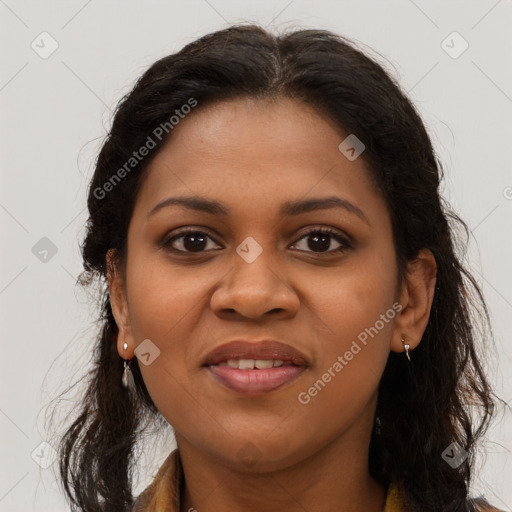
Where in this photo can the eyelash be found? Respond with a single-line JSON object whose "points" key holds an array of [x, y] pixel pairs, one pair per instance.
{"points": [[345, 244]]}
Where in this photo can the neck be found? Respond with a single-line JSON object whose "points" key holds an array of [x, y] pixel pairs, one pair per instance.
{"points": [[333, 478]]}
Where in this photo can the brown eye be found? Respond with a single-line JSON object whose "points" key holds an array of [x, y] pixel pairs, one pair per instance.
{"points": [[320, 241], [189, 241]]}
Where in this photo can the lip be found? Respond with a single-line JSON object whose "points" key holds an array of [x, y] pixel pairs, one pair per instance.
{"points": [[256, 381], [265, 349]]}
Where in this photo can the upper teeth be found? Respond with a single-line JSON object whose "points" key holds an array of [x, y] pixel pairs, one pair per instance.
{"points": [[249, 364]]}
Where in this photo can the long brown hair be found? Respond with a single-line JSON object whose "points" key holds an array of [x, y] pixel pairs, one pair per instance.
{"points": [[423, 407]]}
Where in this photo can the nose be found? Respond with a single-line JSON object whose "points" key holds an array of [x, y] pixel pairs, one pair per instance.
{"points": [[252, 290]]}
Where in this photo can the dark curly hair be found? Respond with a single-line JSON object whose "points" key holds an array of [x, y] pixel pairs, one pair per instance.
{"points": [[443, 396]]}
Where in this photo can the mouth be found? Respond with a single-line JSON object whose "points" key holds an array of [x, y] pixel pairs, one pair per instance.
{"points": [[253, 368]]}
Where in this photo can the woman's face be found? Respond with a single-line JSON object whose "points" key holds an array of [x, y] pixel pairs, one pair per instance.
{"points": [[255, 273]]}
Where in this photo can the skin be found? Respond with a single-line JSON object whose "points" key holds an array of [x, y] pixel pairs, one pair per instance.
{"points": [[251, 156]]}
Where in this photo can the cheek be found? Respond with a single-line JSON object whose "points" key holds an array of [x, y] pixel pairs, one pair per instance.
{"points": [[355, 320], [163, 297], [166, 306], [346, 379], [354, 297]]}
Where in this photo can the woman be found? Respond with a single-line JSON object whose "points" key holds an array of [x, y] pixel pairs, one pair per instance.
{"points": [[283, 288]]}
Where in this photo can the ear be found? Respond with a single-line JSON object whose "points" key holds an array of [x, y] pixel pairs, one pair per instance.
{"points": [[119, 304], [416, 296]]}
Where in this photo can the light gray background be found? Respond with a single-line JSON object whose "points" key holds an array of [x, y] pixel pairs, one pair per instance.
{"points": [[54, 115]]}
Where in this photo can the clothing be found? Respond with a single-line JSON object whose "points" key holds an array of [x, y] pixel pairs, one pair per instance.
{"points": [[163, 494]]}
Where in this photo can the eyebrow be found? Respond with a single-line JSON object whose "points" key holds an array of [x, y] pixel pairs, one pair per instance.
{"points": [[289, 208]]}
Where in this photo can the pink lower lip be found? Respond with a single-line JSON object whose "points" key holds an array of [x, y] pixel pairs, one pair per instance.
{"points": [[255, 381]]}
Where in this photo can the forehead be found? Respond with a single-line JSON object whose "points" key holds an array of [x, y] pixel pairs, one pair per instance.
{"points": [[256, 152]]}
